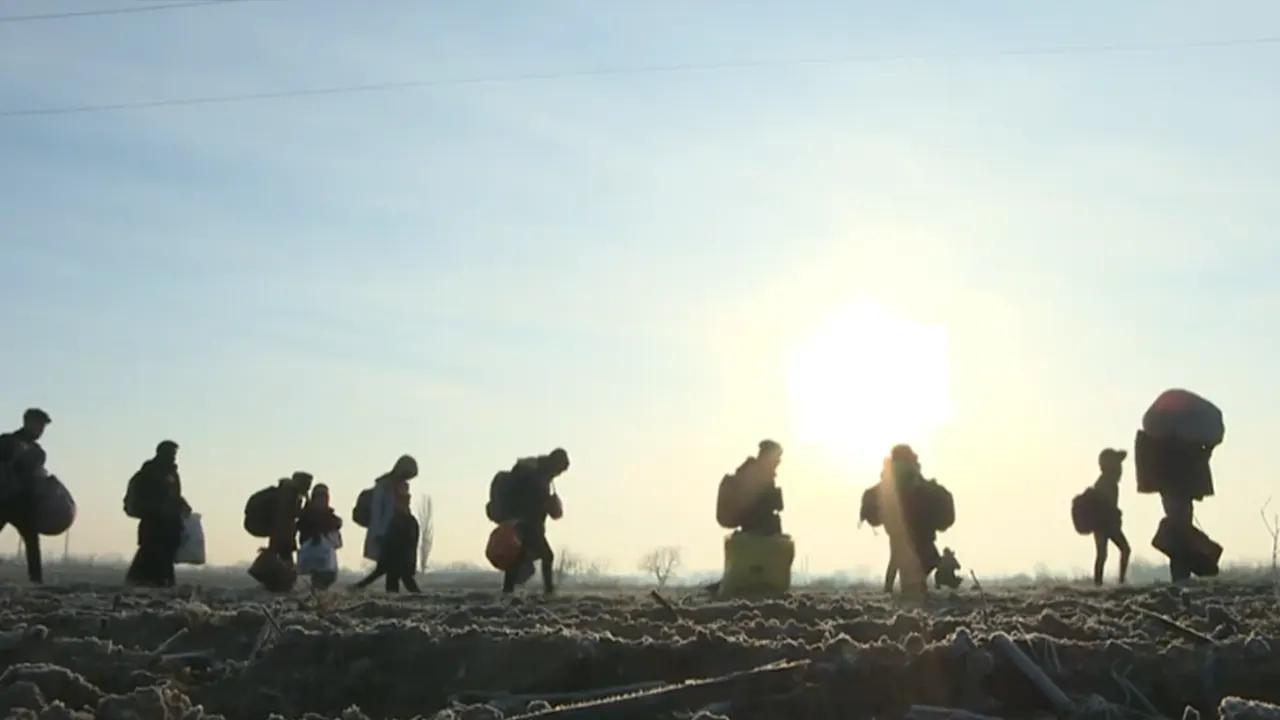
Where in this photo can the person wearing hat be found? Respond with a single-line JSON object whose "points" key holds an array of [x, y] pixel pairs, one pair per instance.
{"points": [[289, 500], [22, 461], [154, 497], [1107, 491]]}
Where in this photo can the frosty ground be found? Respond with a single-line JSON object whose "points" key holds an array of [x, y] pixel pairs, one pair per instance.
{"points": [[82, 650]]}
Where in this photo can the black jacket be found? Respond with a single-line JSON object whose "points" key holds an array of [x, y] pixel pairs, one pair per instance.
{"points": [[529, 494], [156, 490], [400, 548], [316, 522], [26, 451]]}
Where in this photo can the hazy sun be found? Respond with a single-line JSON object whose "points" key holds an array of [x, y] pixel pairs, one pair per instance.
{"points": [[866, 379]]}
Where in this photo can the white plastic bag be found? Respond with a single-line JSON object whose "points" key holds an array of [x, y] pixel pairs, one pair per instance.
{"points": [[191, 551], [317, 556]]}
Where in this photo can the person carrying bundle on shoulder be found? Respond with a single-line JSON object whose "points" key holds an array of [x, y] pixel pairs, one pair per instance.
{"points": [[22, 462], [1172, 454], [520, 501]]}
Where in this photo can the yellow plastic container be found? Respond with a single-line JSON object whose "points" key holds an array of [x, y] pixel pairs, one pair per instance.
{"points": [[757, 566]]}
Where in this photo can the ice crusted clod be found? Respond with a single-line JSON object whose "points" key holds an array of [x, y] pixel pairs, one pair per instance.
{"points": [[1234, 708]]}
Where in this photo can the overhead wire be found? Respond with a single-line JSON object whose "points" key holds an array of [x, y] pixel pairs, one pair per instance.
{"points": [[1095, 49], [140, 8]]}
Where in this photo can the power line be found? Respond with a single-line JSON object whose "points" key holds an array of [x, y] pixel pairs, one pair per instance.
{"points": [[117, 10], [633, 70]]}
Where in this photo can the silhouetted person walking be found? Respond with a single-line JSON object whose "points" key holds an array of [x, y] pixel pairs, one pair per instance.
{"points": [[284, 529], [398, 556], [1107, 494], [154, 497], [750, 499], [22, 466], [903, 508], [1173, 451], [526, 495], [382, 504]]}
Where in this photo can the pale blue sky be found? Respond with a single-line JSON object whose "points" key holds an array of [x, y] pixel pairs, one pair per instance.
{"points": [[620, 263]]}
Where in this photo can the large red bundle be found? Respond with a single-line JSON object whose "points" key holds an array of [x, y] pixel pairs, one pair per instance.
{"points": [[504, 549]]}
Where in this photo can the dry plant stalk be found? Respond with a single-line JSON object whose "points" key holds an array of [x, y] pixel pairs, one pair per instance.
{"points": [[1273, 529]]}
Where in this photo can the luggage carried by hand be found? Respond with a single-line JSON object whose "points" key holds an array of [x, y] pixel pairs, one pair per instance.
{"points": [[275, 574], [191, 550], [319, 555], [504, 549], [1189, 545]]}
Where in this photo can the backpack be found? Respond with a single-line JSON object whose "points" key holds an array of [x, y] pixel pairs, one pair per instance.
{"points": [[498, 509], [870, 512], [728, 503], [131, 499], [937, 509], [259, 512], [362, 513], [1084, 512]]}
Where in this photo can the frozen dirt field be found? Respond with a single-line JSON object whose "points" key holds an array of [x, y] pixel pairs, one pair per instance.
{"points": [[89, 651]]}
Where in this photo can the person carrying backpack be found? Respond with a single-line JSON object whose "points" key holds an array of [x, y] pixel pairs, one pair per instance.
{"points": [[398, 554], [382, 504], [1106, 499], [525, 496], [750, 499], [154, 498], [912, 513], [22, 462], [289, 497]]}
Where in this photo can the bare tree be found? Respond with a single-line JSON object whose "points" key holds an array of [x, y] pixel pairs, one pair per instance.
{"points": [[427, 534], [662, 563], [1272, 525], [568, 565]]}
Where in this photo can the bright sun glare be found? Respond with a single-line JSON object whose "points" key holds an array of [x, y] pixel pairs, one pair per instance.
{"points": [[866, 379]]}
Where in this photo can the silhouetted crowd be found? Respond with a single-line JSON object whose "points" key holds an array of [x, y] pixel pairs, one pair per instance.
{"points": [[302, 532]]}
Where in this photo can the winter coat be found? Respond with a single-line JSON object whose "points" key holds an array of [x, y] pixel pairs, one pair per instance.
{"points": [[381, 511], [400, 545]]}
